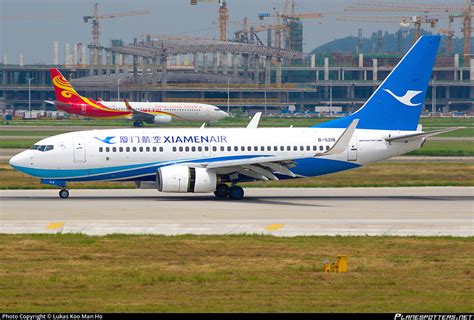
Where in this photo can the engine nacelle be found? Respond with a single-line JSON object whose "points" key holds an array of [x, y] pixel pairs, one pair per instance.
{"points": [[185, 179], [162, 118]]}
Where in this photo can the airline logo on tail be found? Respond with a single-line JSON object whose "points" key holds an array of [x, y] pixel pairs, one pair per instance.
{"points": [[67, 90], [406, 98]]}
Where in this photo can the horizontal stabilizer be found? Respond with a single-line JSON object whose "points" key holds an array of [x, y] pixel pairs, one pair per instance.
{"points": [[59, 103], [414, 136]]}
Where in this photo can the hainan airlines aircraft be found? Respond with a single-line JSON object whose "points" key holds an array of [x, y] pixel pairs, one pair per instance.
{"points": [[216, 160], [68, 100]]}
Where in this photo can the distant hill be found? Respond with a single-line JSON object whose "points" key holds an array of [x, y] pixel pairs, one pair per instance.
{"points": [[389, 44]]}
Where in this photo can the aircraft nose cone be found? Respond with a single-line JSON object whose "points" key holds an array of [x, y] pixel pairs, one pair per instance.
{"points": [[18, 160], [223, 114]]}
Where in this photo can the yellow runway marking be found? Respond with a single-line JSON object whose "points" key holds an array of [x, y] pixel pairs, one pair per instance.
{"points": [[274, 227], [55, 225]]}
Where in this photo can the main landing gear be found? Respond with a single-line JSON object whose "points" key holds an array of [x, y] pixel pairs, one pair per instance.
{"points": [[64, 193], [233, 192], [138, 124]]}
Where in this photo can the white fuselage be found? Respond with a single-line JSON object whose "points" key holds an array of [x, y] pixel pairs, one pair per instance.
{"points": [[136, 154], [177, 110]]}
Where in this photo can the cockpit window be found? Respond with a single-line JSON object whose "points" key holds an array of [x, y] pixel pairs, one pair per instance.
{"points": [[217, 109], [42, 148]]}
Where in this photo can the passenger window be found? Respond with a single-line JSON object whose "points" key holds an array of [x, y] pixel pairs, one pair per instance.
{"points": [[327, 147], [114, 149], [174, 149], [141, 149], [302, 148], [295, 148], [187, 149], [206, 148], [180, 149], [214, 148], [242, 148], [282, 148], [161, 149], [121, 149], [193, 149], [106, 149], [127, 149], [275, 148], [269, 148], [262, 148], [308, 148], [315, 148], [101, 149], [199, 148], [288, 148], [236, 148], [222, 148], [249, 148], [229, 148], [255, 148], [321, 148], [154, 149], [134, 149]]}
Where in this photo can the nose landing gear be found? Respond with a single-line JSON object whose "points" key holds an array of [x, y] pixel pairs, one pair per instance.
{"points": [[64, 193]]}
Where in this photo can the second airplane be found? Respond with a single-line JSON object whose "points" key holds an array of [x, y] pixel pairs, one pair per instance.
{"points": [[68, 100]]}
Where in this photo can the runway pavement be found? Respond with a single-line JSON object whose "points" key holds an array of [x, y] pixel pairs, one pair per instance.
{"points": [[429, 211]]}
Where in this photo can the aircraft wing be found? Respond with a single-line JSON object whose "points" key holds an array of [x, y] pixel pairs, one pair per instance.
{"points": [[139, 115], [415, 136], [265, 167]]}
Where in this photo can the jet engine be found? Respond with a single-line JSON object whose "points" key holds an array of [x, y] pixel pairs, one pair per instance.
{"points": [[162, 118], [184, 179]]}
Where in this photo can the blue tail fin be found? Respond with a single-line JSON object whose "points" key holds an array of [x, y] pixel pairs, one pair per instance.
{"points": [[397, 102]]}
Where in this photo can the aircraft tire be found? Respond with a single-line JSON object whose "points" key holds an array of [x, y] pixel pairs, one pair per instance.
{"points": [[236, 193], [64, 194], [222, 190]]}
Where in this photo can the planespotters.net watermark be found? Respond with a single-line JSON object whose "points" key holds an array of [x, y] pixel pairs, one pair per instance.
{"points": [[402, 316]]}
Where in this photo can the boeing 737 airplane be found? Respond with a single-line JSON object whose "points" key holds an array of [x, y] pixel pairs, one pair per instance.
{"points": [[216, 160], [68, 100]]}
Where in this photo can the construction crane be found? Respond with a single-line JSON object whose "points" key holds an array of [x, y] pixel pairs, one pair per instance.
{"points": [[466, 13], [223, 16], [404, 22], [290, 21], [95, 18]]}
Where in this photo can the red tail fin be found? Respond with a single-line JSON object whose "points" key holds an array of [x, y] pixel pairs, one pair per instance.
{"points": [[63, 89]]}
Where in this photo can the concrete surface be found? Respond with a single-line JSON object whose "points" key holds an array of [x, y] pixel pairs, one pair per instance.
{"points": [[428, 211]]}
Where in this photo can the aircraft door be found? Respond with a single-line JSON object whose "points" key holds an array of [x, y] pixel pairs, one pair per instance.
{"points": [[352, 151], [79, 150]]}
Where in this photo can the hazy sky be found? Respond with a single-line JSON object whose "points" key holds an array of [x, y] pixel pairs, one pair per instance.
{"points": [[31, 26]]}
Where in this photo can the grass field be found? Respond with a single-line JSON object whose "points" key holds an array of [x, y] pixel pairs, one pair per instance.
{"points": [[446, 148], [118, 273], [388, 174], [240, 121]]}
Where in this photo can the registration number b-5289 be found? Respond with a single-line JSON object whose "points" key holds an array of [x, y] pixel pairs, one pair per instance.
{"points": [[326, 139]]}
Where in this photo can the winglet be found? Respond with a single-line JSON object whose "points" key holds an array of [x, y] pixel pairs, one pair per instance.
{"points": [[129, 107], [203, 125], [253, 124], [343, 142]]}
